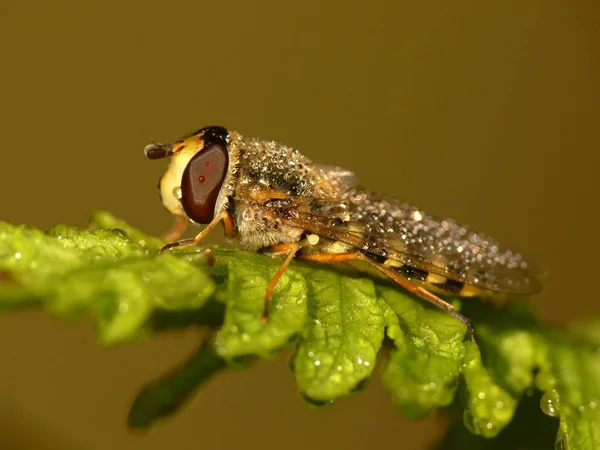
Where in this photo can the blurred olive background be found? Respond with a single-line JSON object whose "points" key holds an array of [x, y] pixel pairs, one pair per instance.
{"points": [[484, 111]]}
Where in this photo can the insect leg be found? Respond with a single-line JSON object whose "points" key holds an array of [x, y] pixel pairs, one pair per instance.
{"points": [[176, 230], [410, 287], [224, 216], [228, 225], [282, 249], [424, 294], [326, 258]]}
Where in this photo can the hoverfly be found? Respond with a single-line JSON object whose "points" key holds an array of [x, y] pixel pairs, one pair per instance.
{"points": [[271, 198]]}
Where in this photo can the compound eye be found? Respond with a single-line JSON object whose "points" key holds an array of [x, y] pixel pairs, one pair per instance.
{"points": [[202, 180]]}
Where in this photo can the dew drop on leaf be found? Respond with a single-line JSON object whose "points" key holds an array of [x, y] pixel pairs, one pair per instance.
{"points": [[550, 403]]}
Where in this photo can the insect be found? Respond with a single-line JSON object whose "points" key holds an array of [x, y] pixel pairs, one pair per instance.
{"points": [[271, 198]]}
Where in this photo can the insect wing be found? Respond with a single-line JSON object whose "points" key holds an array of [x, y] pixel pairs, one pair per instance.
{"points": [[388, 230]]}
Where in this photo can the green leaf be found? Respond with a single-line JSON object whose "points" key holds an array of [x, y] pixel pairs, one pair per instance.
{"points": [[31, 258], [489, 408], [96, 245], [570, 380], [510, 342], [107, 221], [511, 350], [244, 332], [335, 319], [78, 271], [423, 371], [342, 337], [529, 430]]}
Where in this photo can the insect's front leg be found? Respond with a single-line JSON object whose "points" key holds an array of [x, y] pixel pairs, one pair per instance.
{"points": [[229, 232], [178, 228]]}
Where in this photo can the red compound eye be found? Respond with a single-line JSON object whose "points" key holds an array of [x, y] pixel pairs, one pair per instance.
{"points": [[202, 180]]}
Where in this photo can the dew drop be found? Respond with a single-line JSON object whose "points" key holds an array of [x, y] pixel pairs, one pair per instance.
{"points": [[550, 403]]}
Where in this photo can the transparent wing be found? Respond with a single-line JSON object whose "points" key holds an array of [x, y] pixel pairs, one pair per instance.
{"points": [[388, 229], [343, 178]]}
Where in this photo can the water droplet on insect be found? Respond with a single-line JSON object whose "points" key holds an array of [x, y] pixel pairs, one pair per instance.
{"points": [[550, 403], [177, 192], [312, 239], [481, 395], [18, 255], [317, 363]]}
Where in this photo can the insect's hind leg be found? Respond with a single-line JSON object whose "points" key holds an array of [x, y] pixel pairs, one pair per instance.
{"points": [[424, 294], [410, 287]]}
